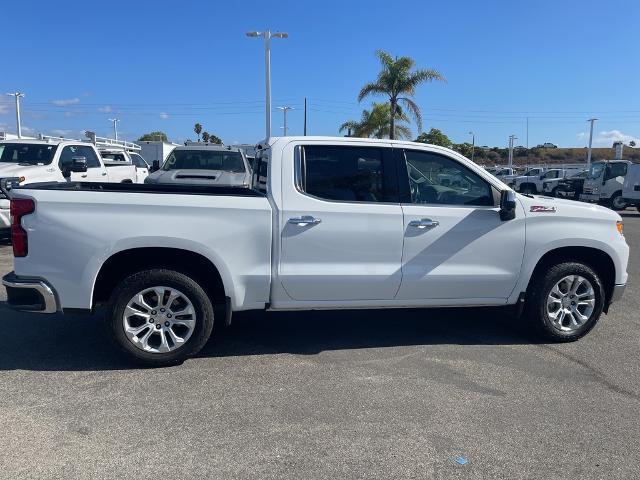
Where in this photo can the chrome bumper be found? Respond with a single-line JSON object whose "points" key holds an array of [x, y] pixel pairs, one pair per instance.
{"points": [[30, 295]]}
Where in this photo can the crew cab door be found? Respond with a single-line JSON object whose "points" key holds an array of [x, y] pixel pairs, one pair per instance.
{"points": [[456, 248], [142, 169], [96, 172], [340, 229]]}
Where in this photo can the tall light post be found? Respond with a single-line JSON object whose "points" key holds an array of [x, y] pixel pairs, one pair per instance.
{"points": [[511, 139], [18, 96], [473, 145], [115, 127], [284, 112], [592, 121], [267, 36]]}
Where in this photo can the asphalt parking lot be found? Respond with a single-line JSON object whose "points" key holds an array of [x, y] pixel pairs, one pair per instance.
{"points": [[363, 394]]}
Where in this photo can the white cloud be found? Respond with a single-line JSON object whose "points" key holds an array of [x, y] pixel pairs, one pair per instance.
{"points": [[66, 102], [606, 138], [164, 116], [27, 130], [4, 108], [37, 116], [105, 109]]}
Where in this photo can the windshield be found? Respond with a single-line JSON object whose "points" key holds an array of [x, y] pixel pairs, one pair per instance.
{"points": [[27, 153], [596, 170], [204, 160]]}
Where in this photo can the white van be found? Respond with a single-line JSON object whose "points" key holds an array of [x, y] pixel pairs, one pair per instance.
{"points": [[631, 187]]}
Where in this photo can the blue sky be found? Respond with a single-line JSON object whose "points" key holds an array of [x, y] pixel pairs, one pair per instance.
{"points": [[166, 65]]}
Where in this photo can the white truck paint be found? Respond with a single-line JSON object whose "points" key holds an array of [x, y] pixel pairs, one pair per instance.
{"points": [[631, 187], [604, 183], [308, 236], [529, 176], [116, 156], [44, 161]]}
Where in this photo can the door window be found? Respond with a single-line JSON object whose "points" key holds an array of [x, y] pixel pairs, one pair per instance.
{"points": [[436, 179], [138, 161], [347, 174]]}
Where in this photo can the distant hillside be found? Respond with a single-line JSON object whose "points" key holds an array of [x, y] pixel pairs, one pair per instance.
{"points": [[522, 156]]}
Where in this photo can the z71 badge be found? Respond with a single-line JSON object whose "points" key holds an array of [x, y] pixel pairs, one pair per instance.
{"points": [[542, 209]]}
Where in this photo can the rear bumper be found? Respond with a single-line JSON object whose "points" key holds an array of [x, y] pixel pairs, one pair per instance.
{"points": [[30, 295]]}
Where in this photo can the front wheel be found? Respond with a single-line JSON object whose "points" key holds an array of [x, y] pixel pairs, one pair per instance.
{"points": [[528, 189], [159, 317], [565, 302], [618, 203], [554, 192]]}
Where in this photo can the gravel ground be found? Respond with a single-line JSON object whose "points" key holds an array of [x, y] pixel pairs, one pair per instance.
{"points": [[362, 394]]}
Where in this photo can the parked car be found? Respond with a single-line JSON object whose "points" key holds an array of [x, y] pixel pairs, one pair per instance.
{"points": [[631, 187], [604, 184], [330, 223], [531, 173], [110, 155], [553, 186], [204, 165], [535, 184], [35, 161]]}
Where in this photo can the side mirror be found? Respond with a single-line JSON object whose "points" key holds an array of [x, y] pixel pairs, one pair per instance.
{"points": [[77, 164], [507, 205], [155, 166]]}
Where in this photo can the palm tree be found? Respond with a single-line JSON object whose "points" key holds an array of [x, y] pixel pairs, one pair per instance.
{"points": [[376, 123], [398, 81], [198, 129], [205, 137]]}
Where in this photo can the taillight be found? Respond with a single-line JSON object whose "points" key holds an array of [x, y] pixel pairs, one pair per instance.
{"points": [[19, 208]]}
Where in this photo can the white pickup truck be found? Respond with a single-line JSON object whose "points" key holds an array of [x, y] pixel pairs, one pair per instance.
{"points": [[56, 160], [330, 223]]}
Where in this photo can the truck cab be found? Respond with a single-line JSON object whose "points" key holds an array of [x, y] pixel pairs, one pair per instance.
{"points": [[526, 180], [121, 156], [604, 183]]}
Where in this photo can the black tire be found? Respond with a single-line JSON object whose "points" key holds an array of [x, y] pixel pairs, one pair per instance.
{"points": [[536, 311], [612, 203], [528, 189], [137, 282], [554, 192]]}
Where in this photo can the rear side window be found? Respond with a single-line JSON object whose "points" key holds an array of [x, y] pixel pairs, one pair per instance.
{"points": [[339, 173]]}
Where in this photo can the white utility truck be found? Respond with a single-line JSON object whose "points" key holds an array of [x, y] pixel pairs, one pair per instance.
{"points": [[631, 187], [604, 184], [534, 183], [122, 156], [330, 223], [56, 159]]}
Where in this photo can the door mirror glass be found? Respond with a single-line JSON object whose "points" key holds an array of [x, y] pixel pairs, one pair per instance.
{"points": [[507, 205]]}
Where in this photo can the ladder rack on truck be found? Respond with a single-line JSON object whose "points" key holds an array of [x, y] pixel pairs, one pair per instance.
{"points": [[99, 142]]}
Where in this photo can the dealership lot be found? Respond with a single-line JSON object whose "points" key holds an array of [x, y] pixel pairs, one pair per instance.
{"points": [[364, 394]]}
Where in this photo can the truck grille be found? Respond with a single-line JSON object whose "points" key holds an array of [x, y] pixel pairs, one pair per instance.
{"points": [[587, 190]]}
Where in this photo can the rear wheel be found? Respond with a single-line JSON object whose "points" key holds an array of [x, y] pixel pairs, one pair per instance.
{"points": [[160, 317], [528, 189], [554, 192], [565, 301]]}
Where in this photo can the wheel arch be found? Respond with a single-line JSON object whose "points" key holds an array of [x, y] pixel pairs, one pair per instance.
{"points": [[597, 259], [126, 262]]}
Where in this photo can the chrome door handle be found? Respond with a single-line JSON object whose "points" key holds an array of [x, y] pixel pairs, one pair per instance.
{"points": [[304, 220], [424, 223]]}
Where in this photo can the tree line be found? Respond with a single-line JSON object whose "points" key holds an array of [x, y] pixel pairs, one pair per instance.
{"points": [[197, 128]]}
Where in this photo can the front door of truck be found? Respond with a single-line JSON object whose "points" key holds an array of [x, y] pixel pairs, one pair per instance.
{"points": [[96, 172], [455, 245], [341, 231]]}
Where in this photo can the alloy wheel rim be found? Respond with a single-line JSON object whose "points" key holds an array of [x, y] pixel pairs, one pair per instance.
{"points": [[570, 303], [159, 319]]}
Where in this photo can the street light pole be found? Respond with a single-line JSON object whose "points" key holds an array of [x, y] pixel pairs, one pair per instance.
{"points": [[511, 139], [267, 36], [592, 121], [473, 145], [284, 111], [18, 96], [115, 127]]}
